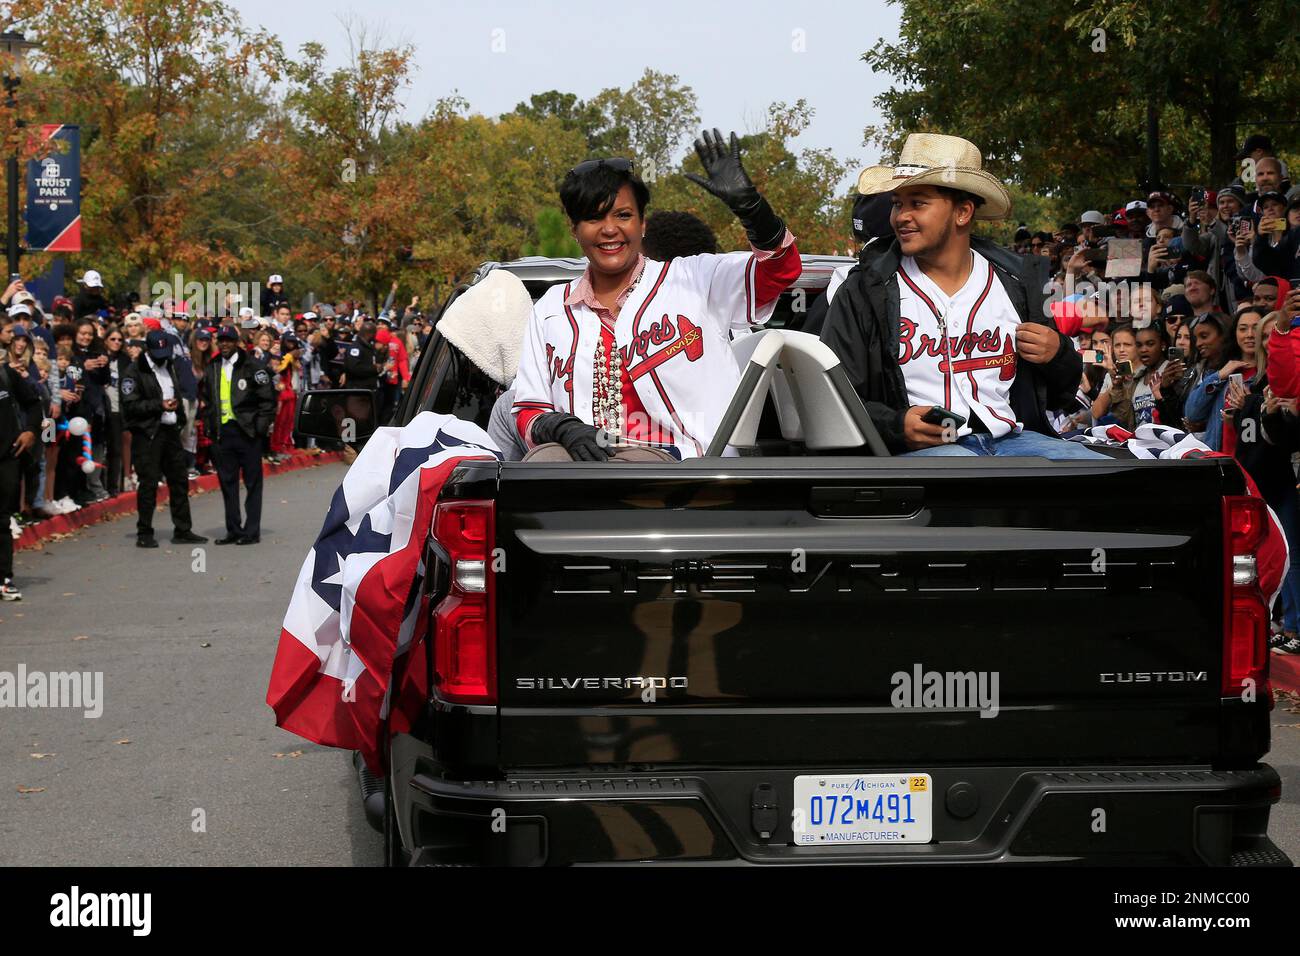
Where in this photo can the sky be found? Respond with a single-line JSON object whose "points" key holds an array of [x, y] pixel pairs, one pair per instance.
{"points": [[738, 57]]}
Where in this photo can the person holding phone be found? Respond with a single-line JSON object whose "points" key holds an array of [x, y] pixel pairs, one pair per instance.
{"points": [[1276, 247], [949, 325], [1220, 357], [1116, 395], [1262, 431]]}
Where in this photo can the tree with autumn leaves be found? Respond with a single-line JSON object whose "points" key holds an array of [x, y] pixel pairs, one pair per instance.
{"points": [[210, 151]]}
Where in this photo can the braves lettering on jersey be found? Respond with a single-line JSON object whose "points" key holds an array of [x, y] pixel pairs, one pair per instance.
{"points": [[672, 335], [959, 351]]}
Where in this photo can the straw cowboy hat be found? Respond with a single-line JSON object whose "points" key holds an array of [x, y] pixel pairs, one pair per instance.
{"points": [[933, 159], [487, 323]]}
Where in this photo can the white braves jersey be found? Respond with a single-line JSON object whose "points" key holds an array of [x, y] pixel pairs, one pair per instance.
{"points": [[959, 351], [673, 334]]}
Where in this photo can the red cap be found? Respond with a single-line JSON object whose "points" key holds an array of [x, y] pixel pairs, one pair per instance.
{"points": [[152, 324]]}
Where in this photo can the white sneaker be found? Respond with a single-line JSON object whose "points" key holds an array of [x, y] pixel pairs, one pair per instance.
{"points": [[50, 509], [68, 505], [15, 529]]}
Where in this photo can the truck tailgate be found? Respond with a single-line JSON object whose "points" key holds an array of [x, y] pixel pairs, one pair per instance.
{"points": [[860, 613]]}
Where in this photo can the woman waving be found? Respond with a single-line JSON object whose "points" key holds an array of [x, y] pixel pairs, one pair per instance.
{"points": [[637, 353]]}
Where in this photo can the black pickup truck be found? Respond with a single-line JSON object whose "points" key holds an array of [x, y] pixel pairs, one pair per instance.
{"points": [[814, 653]]}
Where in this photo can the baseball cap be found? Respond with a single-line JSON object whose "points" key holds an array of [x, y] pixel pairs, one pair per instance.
{"points": [[20, 308], [275, 279], [308, 316], [151, 323], [1177, 305], [1135, 206], [203, 335], [871, 217], [1271, 196], [92, 280], [158, 344], [227, 333], [290, 342], [1253, 142], [20, 331], [1092, 217], [246, 312], [1161, 195], [250, 323]]}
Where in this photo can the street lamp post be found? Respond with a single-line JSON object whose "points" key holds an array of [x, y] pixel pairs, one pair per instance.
{"points": [[15, 47]]}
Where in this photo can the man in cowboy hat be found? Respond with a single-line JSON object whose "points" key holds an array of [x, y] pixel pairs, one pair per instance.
{"points": [[944, 335]]}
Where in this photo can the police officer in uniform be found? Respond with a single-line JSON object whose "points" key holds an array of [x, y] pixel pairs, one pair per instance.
{"points": [[154, 412], [241, 407]]}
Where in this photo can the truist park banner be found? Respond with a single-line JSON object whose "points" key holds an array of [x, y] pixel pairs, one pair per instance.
{"points": [[54, 191]]}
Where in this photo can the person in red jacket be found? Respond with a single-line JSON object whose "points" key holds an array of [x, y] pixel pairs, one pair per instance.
{"points": [[287, 370], [397, 370]]}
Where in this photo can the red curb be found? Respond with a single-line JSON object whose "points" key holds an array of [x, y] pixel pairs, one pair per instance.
{"points": [[35, 535]]}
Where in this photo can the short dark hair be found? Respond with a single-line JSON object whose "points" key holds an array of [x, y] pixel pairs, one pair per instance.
{"points": [[591, 194], [672, 235], [960, 195]]}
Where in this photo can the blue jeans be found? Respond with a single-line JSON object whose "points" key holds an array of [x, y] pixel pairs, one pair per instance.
{"points": [[1024, 445]]}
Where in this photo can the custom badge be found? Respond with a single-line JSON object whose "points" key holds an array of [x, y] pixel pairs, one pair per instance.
{"points": [[354, 352], [243, 384], [128, 386], [260, 376]]}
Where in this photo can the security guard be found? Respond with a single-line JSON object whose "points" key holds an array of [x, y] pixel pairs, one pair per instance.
{"points": [[152, 409], [241, 407]]}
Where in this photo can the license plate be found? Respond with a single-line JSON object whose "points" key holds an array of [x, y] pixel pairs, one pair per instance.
{"points": [[862, 808]]}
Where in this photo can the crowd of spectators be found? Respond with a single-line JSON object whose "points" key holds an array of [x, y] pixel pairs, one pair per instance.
{"points": [[74, 350], [1198, 332]]}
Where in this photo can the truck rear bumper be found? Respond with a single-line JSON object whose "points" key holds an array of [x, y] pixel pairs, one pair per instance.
{"points": [[1155, 816]]}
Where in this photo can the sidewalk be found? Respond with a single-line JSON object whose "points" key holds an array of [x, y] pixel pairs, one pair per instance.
{"points": [[34, 536]]}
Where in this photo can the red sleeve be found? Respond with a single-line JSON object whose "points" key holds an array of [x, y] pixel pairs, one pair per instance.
{"points": [[1284, 362], [403, 364], [773, 274], [524, 419]]}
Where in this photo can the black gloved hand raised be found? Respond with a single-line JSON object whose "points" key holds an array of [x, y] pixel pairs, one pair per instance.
{"points": [[730, 183], [584, 442]]}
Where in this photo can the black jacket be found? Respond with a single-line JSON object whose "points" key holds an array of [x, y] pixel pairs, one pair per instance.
{"points": [[140, 397], [862, 328], [359, 364], [1280, 260], [252, 396], [20, 411]]}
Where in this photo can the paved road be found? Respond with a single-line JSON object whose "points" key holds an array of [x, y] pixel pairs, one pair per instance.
{"points": [[200, 734]]}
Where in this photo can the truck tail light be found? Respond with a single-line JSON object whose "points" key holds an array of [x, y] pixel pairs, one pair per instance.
{"points": [[464, 621], [1245, 607]]}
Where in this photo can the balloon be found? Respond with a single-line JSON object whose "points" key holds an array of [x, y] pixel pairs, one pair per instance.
{"points": [[78, 426], [88, 466]]}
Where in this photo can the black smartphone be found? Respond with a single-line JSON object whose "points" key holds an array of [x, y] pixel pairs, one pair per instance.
{"points": [[938, 415], [1123, 369], [1175, 355], [1198, 195]]}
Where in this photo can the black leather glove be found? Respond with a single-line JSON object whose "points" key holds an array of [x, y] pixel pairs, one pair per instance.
{"points": [[730, 183], [584, 442]]}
